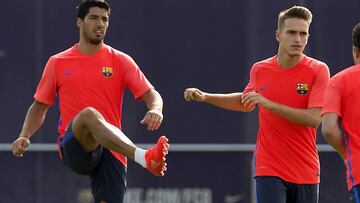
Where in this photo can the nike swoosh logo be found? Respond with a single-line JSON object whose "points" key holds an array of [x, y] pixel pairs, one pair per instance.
{"points": [[263, 88], [67, 73], [234, 198]]}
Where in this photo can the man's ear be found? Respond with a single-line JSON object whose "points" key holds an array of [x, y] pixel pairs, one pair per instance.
{"points": [[357, 52], [277, 35], [79, 21]]}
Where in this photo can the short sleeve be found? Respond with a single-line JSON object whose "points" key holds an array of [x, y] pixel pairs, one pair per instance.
{"points": [[135, 80], [332, 98], [319, 86], [46, 90], [251, 86]]}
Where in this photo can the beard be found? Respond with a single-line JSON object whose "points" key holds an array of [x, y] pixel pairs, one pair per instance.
{"points": [[94, 40]]}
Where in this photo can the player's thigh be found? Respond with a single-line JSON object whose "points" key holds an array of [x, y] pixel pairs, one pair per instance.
{"points": [[270, 189], [108, 182], [303, 193], [75, 157], [355, 194]]}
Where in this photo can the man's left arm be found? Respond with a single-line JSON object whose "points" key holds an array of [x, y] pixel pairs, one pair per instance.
{"points": [[308, 117], [153, 117]]}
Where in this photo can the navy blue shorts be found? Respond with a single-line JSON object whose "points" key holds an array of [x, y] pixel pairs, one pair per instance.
{"points": [[270, 189], [355, 194], [108, 175]]}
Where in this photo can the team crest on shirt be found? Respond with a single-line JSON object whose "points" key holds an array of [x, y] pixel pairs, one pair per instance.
{"points": [[107, 71], [302, 88]]}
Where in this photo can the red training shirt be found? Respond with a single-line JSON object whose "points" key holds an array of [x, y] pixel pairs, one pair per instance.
{"points": [[96, 80], [285, 149], [342, 97]]}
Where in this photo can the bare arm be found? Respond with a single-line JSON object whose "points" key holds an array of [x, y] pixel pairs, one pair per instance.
{"points": [[308, 117], [332, 133], [153, 118], [231, 101], [33, 121]]}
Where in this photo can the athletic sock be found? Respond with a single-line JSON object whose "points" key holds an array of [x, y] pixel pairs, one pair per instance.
{"points": [[140, 157]]}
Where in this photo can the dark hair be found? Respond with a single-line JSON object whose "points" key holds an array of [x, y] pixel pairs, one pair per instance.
{"points": [[294, 12], [85, 5], [356, 36]]}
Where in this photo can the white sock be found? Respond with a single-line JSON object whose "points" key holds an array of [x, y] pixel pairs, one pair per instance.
{"points": [[140, 157]]}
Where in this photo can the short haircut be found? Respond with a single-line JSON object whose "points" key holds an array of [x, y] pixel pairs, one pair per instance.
{"points": [[85, 5], [294, 12], [356, 36]]}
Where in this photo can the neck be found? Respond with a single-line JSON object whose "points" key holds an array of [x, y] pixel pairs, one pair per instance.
{"points": [[87, 48], [286, 61]]}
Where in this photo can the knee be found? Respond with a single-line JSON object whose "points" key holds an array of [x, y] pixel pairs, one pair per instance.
{"points": [[90, 114]]}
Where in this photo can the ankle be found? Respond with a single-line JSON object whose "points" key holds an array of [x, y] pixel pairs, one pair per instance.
{"points": [[140, 157]]}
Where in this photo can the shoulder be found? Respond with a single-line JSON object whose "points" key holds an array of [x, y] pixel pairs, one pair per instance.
{"points": [[118, 54], [64, 53], [352, 71], [125, 61], [265, 62], [52, 61], [314, 64], [269, 62], [318, 68]]}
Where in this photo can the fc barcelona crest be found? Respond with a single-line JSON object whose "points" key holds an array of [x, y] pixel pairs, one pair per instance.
{"points": [[302, 88], [107, 71]]}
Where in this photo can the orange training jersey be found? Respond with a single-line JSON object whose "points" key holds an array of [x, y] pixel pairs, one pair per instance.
{"points": [[285, 149], [97, 81], [342, 97]]}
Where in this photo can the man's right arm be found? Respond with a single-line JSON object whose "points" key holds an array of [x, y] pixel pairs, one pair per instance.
{"points": [[33, 121], [231, 101], [332, 133]]}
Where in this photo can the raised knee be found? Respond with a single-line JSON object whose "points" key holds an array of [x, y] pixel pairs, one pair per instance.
{"points": [[90, 114]]}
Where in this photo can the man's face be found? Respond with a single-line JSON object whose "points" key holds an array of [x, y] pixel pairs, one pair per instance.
{"points": [[93, 27], [293, 36]]}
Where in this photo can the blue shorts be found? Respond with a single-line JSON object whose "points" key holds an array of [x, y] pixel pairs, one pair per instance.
{"points": [[108, 175], [270, 189], [355, 194]]}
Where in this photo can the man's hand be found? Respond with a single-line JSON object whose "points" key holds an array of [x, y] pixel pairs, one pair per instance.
{"points": [[153, 119], [253, 98], [19, 146], [194, 94]]}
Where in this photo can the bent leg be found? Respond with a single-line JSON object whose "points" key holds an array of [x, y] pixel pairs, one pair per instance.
{"points": [[91, 130], [75, 157]]}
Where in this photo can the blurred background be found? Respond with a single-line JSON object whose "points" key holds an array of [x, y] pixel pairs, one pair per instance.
{"points": [[209, 44]]}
